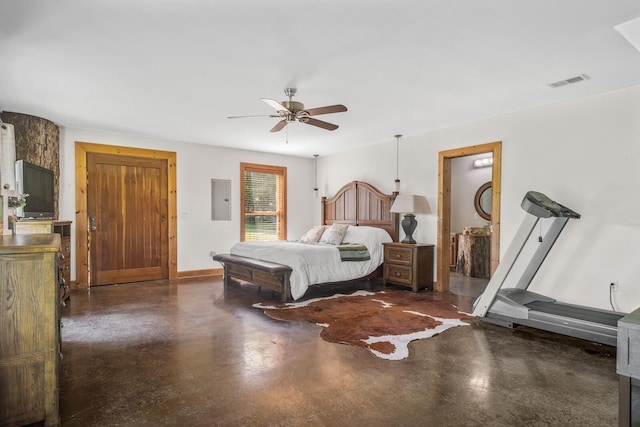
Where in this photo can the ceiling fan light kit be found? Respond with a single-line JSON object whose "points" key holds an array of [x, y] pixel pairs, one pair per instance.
{"points": [[291, 111]]}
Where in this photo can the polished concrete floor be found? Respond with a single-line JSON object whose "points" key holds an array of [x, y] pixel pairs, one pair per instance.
{"points": [[186, 354]]}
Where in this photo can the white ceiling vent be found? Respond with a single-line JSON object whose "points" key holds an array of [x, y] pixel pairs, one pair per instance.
{"points": [[570, 80]]}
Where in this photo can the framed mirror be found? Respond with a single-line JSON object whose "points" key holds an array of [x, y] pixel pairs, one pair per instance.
{"points": [[482, 200]]}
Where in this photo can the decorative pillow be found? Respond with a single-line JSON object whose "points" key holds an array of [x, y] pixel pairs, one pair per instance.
{"points": [[313, 235], [368, 236], [334, 234]]}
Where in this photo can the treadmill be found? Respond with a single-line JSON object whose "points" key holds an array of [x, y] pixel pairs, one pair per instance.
{"points": [[506, 300]]}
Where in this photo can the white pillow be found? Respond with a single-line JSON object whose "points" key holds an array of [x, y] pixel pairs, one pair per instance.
{"points": [[334, 234], [313, 235], [368, 236]]}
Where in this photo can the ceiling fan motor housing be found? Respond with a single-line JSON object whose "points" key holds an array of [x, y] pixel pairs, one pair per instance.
{"points": [[293, 106], [296, 110]]}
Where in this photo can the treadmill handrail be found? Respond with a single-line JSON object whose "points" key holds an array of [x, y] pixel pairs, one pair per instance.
{"points": [[541, 206]]}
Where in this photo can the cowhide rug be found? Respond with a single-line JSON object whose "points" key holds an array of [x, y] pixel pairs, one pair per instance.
{"points": [[384, 322]]}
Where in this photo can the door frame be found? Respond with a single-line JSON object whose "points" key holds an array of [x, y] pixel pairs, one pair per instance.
{"points": [[82, 233], [444, 207]]}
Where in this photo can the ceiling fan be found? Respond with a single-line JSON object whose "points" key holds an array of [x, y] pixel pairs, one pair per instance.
{"points": [[290, 111]]}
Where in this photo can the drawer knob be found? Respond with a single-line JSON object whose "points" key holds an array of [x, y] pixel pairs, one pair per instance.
{"points": [[398, 256], [397, 274]]}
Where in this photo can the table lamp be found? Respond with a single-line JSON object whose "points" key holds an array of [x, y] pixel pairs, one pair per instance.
{"points": [[409, 205]]}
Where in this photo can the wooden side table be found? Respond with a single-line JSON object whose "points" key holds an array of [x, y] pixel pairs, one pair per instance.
{"points": [[409, 265], [474, 256]]}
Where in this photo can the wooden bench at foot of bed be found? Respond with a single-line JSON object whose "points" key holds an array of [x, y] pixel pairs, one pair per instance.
{"points": [[262, 273]]}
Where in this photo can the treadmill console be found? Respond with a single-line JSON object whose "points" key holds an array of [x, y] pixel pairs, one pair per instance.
{"points": [[541, 206]]}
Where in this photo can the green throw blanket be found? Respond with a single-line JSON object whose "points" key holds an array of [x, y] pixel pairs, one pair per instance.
{"points": [[353, 252]]}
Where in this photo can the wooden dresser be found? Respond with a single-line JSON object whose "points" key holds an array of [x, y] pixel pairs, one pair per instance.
{"points": [[63, 228], [409, 265], [29, 329]]}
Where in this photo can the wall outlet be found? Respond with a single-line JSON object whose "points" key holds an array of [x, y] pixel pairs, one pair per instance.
{"points": [[613, 286]]}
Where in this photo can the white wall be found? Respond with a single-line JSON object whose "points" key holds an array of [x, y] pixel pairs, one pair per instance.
{"points": [[581, 153], [196, 166]]}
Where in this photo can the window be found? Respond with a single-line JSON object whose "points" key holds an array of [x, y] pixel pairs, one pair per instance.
{"points": [[263, 202]]}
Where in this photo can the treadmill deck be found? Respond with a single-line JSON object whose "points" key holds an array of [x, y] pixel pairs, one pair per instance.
{"points": [[575, 312]]}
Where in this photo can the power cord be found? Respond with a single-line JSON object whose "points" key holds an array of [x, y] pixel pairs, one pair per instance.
{"points": [[540, 235], [611, 286]]}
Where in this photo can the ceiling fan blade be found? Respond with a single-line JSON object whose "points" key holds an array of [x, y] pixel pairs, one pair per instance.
{"points": [[253, 117], [338, 108], [275, 104], [279, 126], [320, 124]]}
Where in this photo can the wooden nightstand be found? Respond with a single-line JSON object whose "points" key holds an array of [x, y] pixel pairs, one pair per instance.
{"points": [[409, 265]]}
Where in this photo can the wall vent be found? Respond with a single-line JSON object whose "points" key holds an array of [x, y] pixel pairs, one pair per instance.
{"points": [[569, 81]]}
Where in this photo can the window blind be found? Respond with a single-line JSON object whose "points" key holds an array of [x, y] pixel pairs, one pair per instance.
{"points": [[263, 202]]}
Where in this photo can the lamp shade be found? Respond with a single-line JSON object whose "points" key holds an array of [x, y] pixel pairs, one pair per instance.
{"points": [[410, 203]]}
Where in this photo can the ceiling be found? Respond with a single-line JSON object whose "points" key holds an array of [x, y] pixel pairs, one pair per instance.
{"points": [[176, 69]]}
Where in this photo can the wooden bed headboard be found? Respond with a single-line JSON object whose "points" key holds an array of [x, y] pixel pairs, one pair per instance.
{"points": [[359, 203]]}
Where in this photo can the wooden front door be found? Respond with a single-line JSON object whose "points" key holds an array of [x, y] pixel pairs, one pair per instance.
{"points": [[127, 209]]}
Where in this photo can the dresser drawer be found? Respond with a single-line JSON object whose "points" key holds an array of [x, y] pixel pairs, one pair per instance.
{"points": [[65, 269], [398, 255], [65, 247], [399, 274]]}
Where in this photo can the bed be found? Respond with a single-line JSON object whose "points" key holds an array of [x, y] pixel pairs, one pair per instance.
{"points": [[290, 267]]}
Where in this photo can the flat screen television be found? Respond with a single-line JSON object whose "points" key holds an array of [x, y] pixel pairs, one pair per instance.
{"points": [[38, 183]]}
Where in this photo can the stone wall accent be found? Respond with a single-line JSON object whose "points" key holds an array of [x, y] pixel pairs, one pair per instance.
{"points": [[37, 142]]}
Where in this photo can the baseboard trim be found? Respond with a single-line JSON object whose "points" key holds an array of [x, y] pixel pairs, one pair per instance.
{"points": [[212, 273], [194, 274]]}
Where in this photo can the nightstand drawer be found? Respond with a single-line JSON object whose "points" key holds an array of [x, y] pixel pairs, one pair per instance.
{"points": [[398, 255], [398, 274]]}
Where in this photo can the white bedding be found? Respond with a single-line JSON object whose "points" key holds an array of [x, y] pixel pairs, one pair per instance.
{"points": [[314, 263]]}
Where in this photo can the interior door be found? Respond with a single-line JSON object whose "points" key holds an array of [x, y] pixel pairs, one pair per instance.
{"points": [[127, 207]]}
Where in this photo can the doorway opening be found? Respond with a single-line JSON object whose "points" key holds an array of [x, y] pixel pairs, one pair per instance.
{"points": [[444, 254]]}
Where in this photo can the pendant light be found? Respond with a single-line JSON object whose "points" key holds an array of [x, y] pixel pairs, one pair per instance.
{"points": [[397, 181], [315, 175]]}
